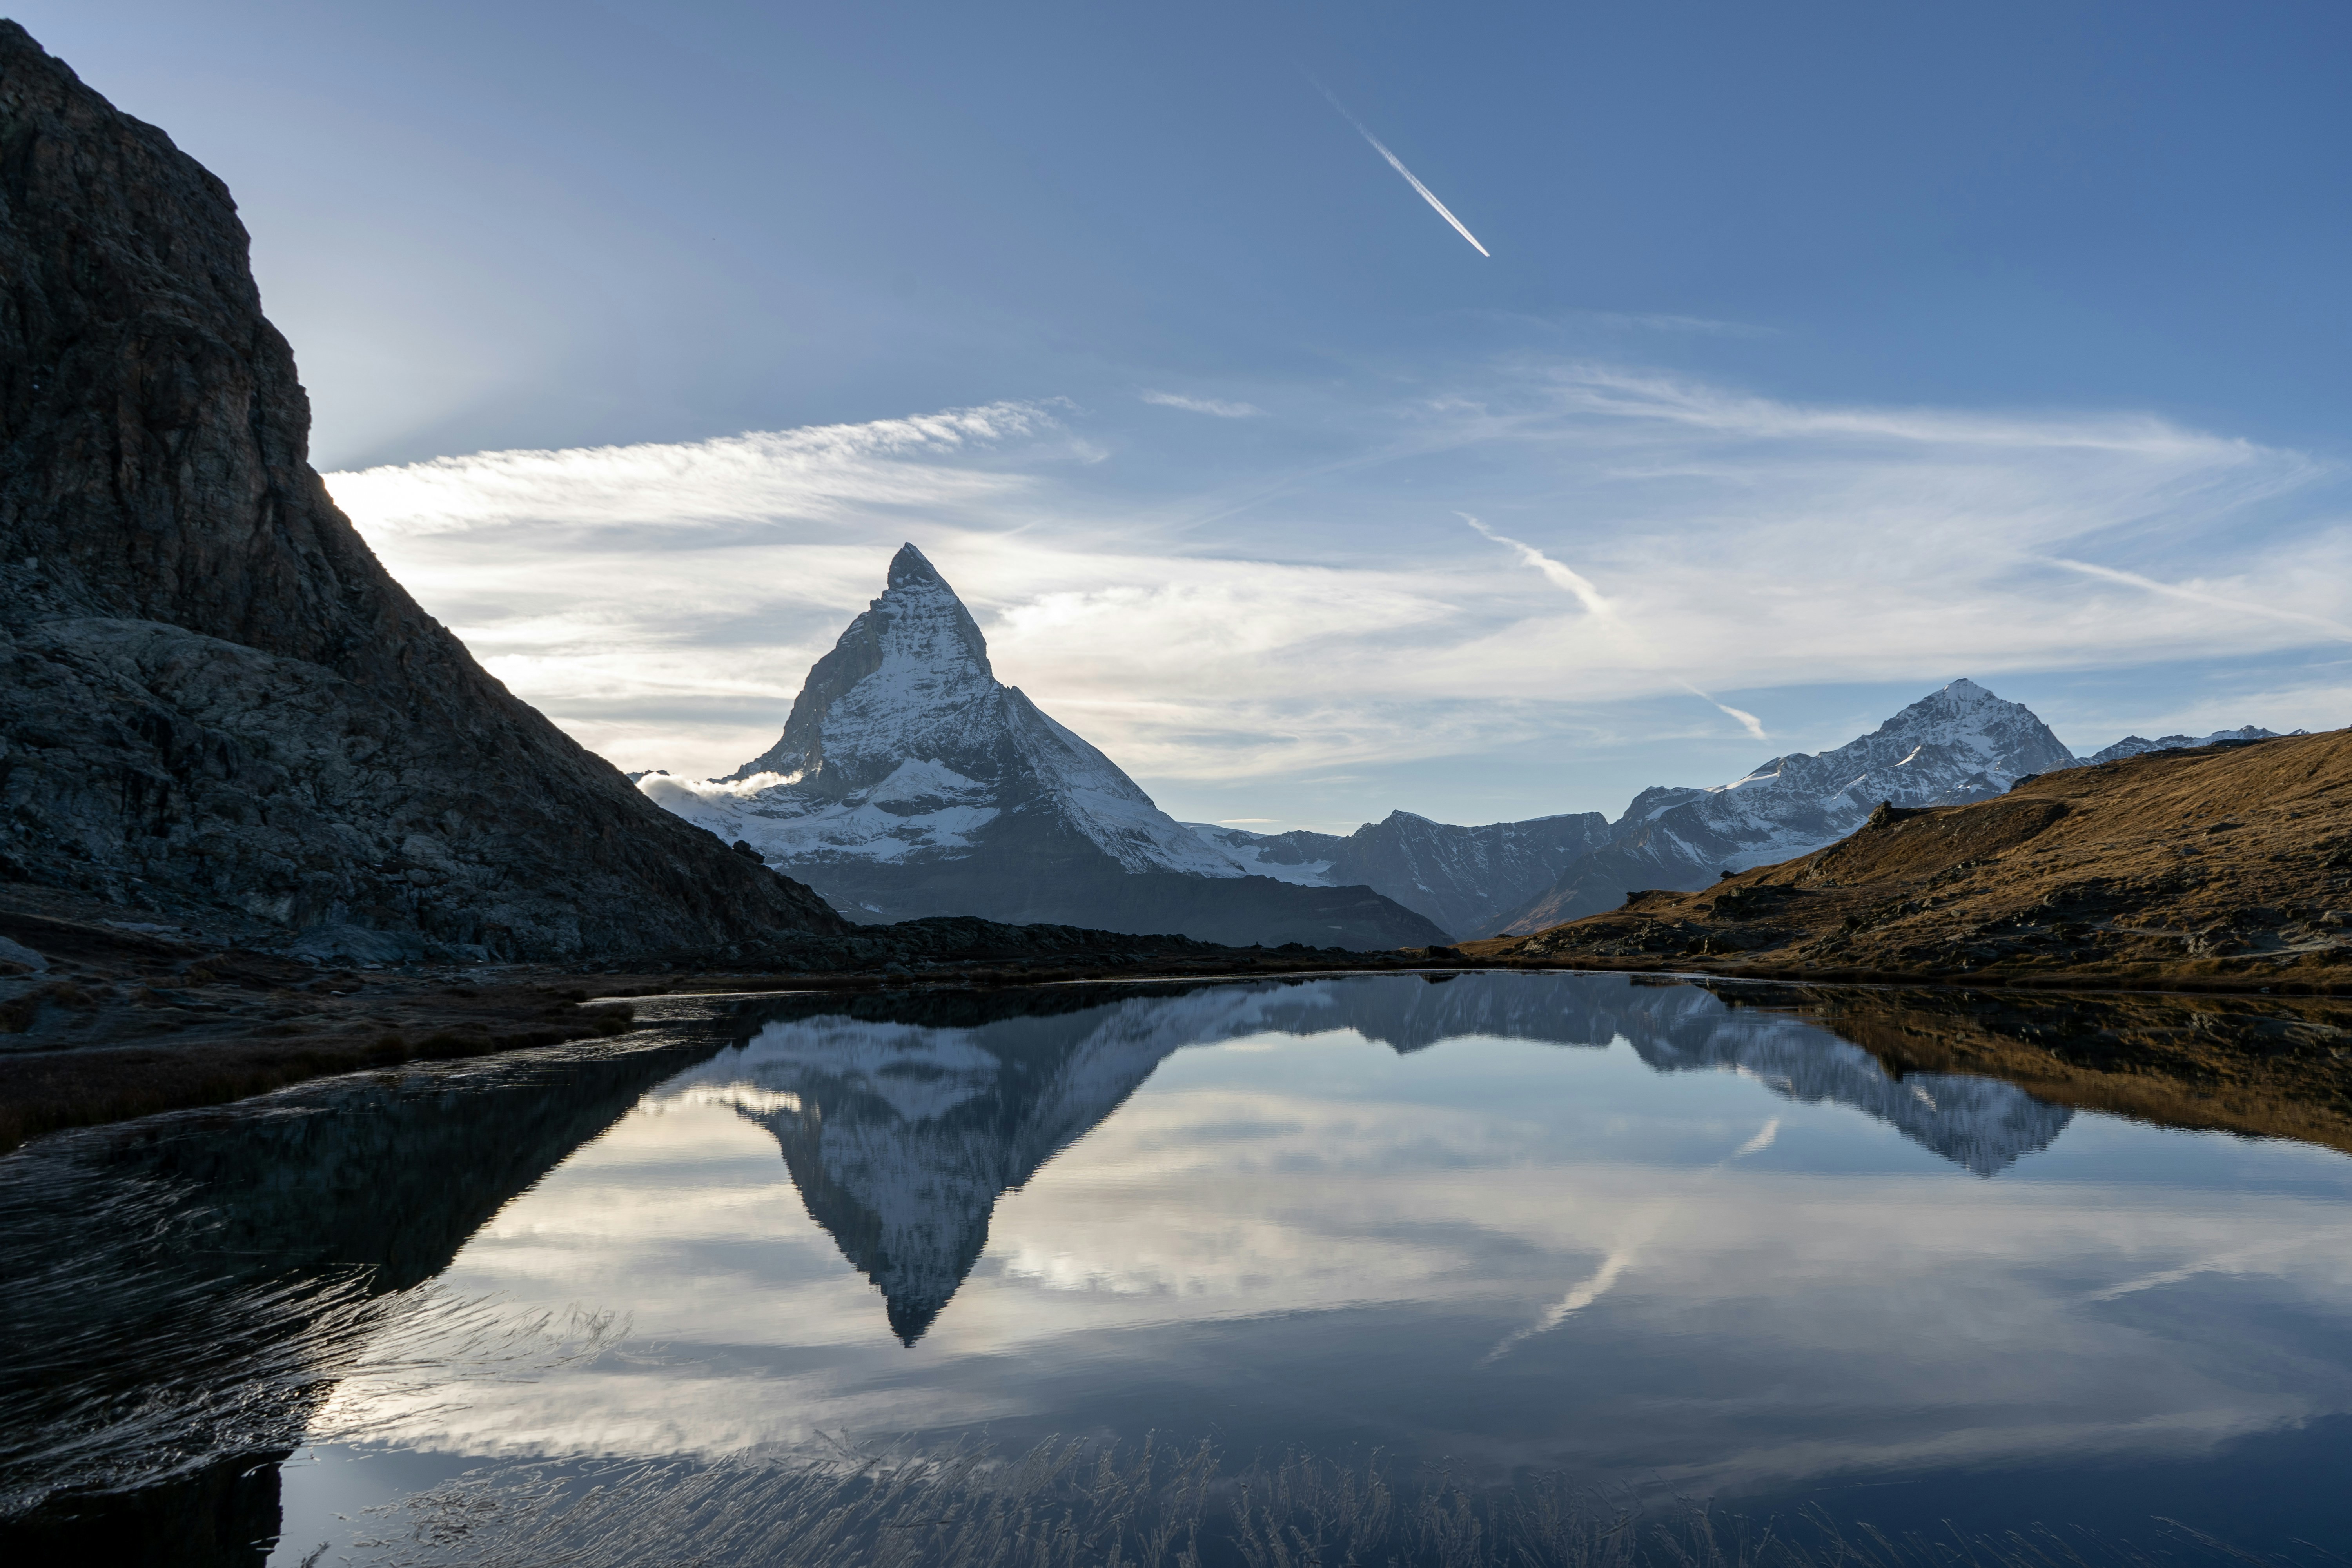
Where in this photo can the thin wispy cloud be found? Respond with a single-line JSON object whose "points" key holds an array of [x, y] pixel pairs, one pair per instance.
{"points": [[814, 473], [1213, 405], [2334, 628], [1572, 583], [1673, 539], [1398, 164], [1704, 326]]}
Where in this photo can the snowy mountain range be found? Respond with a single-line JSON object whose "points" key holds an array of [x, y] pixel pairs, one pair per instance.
{"points": [[901, 1136], [1957, 745], [909, 782], [1953, 746], [2140, 746]]}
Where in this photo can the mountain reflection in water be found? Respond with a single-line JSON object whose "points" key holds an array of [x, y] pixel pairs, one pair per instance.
{"points": [[1658, 1248], [902, 1132]]}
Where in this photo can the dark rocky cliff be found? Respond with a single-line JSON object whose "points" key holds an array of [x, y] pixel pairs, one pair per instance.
{"points": [[215, 702]]}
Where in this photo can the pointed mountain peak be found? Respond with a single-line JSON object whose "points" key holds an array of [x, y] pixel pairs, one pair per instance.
{"points": [[908, 567]]}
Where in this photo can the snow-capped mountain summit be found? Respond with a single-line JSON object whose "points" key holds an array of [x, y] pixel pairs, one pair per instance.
{"points": [[909, 781], [1961, 743], [904, 740]]}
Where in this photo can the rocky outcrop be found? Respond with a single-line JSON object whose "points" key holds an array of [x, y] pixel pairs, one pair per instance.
{"points": [[215, 705], [910, 783]]}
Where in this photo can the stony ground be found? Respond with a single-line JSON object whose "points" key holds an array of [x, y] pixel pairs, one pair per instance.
{"points": [[2225, 867]]}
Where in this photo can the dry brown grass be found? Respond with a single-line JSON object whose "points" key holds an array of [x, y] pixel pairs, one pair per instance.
{"points": [[2222, 869]]}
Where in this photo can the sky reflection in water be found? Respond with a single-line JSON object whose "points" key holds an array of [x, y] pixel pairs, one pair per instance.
{"points": [[1504, 1221]]}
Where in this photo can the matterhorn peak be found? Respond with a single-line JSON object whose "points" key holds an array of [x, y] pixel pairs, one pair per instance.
{"points": [[909, 676], [909, 782], [910, 565]]}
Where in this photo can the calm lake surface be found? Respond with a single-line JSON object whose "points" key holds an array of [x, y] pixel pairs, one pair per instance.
{"points": [[1630, 1234]]}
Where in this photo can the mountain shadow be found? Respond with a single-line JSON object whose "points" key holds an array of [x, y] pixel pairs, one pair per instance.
{"points": [[218, 705], [185, 1289]]}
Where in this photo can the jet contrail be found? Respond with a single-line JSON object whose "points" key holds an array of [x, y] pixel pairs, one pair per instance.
{"points": [[1398, 164], [1747, 721], [1561, 576]]}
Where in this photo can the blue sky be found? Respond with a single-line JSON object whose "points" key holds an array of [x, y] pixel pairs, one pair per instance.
{"points": [[1840, 350]]}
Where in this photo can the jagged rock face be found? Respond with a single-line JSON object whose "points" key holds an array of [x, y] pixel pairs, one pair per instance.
{"points": [[909, 782], [217, 706], [1957, 745], [903, 741], [1464, 878], [2140, 745]]}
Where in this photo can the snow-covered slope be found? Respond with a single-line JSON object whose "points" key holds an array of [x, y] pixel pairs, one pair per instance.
{"points": [[909, 782], [1959, 745], [903, 741], [2140, 745], [1299, 857]]}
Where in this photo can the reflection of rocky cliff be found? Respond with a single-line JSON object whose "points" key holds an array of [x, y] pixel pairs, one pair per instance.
{"points": [[901, 1135], [903, 1117], [181, 1288]]}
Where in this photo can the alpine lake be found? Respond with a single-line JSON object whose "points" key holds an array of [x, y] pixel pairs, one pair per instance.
{"points": [[1457, 1268]]}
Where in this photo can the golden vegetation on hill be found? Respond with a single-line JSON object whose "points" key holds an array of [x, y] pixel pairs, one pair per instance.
{"points": [[2227, 866]]}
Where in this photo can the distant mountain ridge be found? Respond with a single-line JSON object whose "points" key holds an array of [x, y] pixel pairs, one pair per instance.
{"points": [[1961, 743], [909, 782], [1954, 746], [1464, 879], [2140, 746]]}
